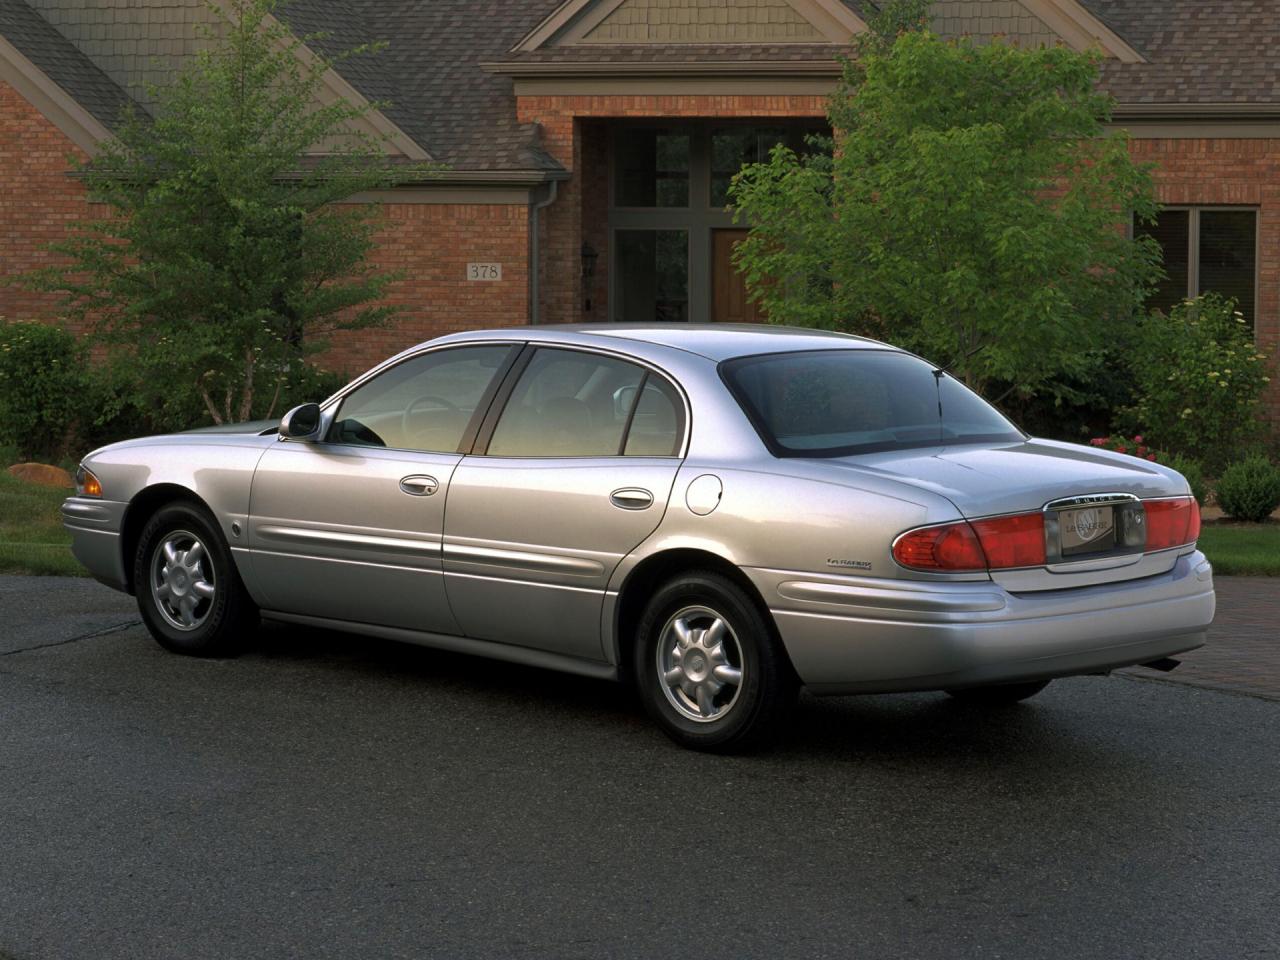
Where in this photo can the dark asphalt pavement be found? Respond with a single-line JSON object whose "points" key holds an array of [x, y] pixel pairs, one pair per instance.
{"points": [[332, 796]]}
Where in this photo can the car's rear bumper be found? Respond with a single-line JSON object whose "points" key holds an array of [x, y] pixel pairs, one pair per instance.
{"points": [[94, 526], [857, 635]]}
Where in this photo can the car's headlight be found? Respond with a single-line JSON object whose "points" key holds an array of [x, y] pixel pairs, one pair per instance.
{"points": [[87, 484]]}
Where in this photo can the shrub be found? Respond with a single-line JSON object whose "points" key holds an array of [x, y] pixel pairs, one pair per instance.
{"points": [[1199, 379], [42, 388], [1193, 473], [1249, 490]]}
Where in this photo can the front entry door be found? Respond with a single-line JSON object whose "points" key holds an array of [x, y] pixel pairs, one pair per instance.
{"points": [[350, 527], [575, 473], [352, 533], [730, 303]]}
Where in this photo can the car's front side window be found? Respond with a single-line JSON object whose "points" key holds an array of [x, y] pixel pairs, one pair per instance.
{"points": [[424, 403], [573, 404]]}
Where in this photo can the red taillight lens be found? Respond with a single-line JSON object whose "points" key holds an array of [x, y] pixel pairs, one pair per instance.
{"points": [[993, 544], [1012, 541], [948, 548], [1172, 523]]}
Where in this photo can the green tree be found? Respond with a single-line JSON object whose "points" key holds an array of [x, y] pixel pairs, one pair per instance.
{"points": [[972, 210], [227, 253]]}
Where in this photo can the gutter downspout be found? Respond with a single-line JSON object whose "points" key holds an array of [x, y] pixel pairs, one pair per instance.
{"points": [[535, 289]]}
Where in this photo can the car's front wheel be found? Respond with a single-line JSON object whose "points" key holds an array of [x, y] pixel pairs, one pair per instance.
{"points": [[189, 593], [709, 669], [999, 694]]}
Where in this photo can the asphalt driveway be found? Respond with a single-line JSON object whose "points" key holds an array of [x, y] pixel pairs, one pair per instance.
{"points": [[333, 796]]}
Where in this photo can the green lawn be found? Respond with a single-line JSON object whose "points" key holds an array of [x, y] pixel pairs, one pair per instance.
{"points": [[31, 536], [1242, 549], [32, 539]]}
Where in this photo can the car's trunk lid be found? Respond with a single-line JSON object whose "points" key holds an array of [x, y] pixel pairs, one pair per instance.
{"points": [[985, 480]]}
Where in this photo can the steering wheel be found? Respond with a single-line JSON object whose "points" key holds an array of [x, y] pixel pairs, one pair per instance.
{"points": [[447, 405]]}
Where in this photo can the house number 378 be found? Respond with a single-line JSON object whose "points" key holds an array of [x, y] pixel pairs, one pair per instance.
{"points": [[484, 271]]}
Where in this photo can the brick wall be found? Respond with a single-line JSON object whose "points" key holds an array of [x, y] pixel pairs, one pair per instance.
{"points": [[571, 134], [38, 200], [431, 244], [1245, 172]]}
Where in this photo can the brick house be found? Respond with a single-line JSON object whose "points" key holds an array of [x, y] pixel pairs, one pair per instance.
{"points": [[589, 143]]}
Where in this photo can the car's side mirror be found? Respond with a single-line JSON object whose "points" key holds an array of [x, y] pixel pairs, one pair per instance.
{"points": [[301, 423]]}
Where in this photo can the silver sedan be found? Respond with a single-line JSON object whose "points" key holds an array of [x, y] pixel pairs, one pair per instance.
{"points": [[718, 515]]}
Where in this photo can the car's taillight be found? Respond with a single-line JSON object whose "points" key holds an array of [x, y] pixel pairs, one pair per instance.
{"points": [[993, 544], [1172, 523], [947, 548], [1013, 541]]}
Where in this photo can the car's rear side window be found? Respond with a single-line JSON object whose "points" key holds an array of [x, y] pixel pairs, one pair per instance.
{"points": [[570, 403], [827, 403]]}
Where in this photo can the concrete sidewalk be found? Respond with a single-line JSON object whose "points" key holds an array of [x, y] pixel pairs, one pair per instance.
{"points": [[1243, 651]]}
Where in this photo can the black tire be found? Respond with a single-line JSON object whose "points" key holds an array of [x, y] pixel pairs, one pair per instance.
{"points": [[221, 624], [740, 716], [1000, 694]]}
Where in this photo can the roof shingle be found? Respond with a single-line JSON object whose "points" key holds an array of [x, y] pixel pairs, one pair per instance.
{"points": [[63, 62]]}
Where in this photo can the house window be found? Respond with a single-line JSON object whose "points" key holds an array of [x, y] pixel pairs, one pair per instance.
{"points": [[1206, 250], [652, 168], [653, 281], [669, 190], [733, 149]]}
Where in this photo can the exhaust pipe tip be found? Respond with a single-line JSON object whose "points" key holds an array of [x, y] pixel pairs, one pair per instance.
{"points": [[1164, 664]]}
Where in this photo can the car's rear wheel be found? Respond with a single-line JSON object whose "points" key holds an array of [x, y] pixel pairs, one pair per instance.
{"points": [[999, 694], [708, 666], [189, 593]]}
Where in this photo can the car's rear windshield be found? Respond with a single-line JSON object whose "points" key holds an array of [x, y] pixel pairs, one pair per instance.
{"points": [[832, 403]]}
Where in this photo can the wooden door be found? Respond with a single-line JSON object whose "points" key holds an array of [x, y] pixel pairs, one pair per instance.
{"points": [[729, 289]]}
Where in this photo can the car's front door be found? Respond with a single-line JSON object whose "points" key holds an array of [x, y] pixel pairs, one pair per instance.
{"points": [[349, 527], [573, 470]]}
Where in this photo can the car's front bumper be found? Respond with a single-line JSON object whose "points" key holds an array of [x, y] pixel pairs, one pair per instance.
{"points": [[857, 635], [94, 526]]}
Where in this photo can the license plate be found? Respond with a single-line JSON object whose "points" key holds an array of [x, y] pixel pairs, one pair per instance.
{"points": [[1087, 530]]}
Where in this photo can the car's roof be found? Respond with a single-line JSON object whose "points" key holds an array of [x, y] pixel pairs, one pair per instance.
{"points": [[715, 341]]}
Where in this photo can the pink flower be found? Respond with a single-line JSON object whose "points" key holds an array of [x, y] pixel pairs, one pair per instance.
{"points": [[1151, 457], [1137, 439], [1098, 442], [1141, 449]]}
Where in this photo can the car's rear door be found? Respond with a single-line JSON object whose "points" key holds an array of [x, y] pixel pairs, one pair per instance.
{"points": [[572, 470], [349, 528]]}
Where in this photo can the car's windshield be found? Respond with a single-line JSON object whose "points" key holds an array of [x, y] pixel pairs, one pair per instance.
{"points": [[830, 403]]}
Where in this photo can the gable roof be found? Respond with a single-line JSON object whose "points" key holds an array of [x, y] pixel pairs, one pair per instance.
{"points": [[725, 21], [58, 59], [431, 79]]}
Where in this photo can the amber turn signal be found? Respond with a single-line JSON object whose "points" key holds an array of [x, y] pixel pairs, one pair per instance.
{"points": [[87, 484]]}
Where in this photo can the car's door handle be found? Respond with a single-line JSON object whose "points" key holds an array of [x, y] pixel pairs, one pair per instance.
{"points": [[420, 486], [631, 498]]}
